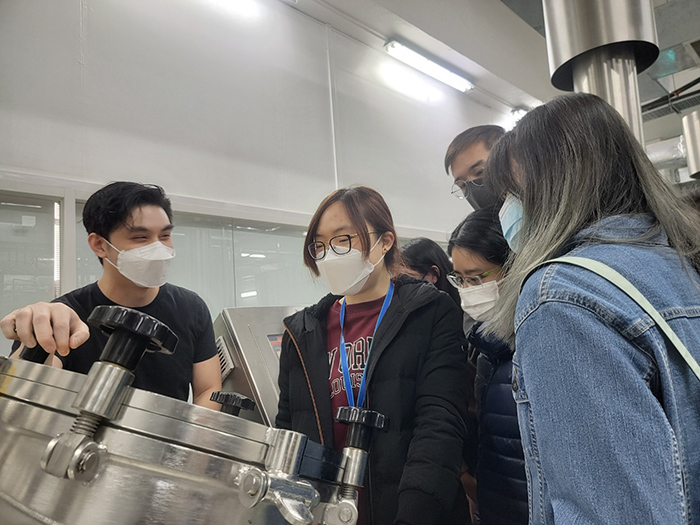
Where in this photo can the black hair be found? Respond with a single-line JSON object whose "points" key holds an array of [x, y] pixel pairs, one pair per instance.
{"points": [[692, 197], [422, 254], [481, 234], [573, 162], [110, 207], [364, 205], [487, 135]]}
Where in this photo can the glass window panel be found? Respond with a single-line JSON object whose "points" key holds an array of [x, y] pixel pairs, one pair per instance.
{"points": [[228, 265], [88, 265], [28, 239], [270, 269], [204, 259]]}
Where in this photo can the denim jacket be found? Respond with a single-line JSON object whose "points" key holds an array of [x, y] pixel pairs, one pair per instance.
{"points": [[609, 412]]}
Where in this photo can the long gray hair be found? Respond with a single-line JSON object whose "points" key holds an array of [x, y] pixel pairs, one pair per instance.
{"points": [[572, 162]]}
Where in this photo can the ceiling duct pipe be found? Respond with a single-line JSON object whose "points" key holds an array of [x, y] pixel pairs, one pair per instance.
{"points": [[691, 132], [599, 47], [667, 154]]}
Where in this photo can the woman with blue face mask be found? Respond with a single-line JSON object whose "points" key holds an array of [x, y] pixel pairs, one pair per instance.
{"points": [[386, 342], [479, 254], [608, 408]]}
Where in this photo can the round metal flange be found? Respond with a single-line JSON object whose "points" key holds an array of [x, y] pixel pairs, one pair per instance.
{"points": [[86, 461], [252, 486]]}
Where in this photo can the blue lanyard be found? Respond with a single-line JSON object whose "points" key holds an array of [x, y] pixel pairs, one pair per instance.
{"points": [[344, 354]]}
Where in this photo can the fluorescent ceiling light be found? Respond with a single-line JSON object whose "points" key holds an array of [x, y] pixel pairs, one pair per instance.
{"points": [[20, 205], [249, 294], [409, 82], [257, 256], [419, 62], [249, 9]]}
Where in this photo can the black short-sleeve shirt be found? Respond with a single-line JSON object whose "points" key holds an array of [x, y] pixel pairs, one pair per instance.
{"points": [[180, 309]]}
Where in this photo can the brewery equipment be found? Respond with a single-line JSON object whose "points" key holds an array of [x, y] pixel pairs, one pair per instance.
{"points": [[79, 449], [249, 341]]}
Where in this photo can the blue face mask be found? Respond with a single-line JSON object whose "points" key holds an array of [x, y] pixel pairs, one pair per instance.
{"points": [[511, 217]]}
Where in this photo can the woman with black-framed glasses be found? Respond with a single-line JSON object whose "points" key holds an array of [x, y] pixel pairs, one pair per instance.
{"points": [[479, 253], [383, 341]]}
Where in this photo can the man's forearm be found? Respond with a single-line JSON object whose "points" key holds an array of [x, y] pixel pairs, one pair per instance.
{"points": [[202, 399]]}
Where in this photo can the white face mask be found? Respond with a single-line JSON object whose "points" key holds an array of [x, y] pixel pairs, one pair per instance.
{"points": [[346, 274], [145, 266], [479, 302]]}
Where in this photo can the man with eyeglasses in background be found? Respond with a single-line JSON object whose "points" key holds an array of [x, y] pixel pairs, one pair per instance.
{"points": [[465, 160]]}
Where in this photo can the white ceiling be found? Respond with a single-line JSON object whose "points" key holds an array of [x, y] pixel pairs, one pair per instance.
{"points": [[498, 45], [501, 54]]}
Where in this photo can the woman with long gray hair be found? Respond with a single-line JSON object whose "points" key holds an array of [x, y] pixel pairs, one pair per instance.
{"points": [[608, 408]]}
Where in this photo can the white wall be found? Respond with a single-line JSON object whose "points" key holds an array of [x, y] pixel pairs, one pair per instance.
{"points": [[269, 110]]}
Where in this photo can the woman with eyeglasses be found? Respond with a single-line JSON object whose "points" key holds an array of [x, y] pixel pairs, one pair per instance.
{"points": [[382, 341], [479, 253]]}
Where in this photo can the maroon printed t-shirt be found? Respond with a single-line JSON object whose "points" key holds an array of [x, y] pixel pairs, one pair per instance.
{"points": [[358, 329]]}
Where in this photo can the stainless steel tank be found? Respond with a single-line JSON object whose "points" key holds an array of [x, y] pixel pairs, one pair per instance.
{"points": [[249, 341], [165, 461], [77, 449]]}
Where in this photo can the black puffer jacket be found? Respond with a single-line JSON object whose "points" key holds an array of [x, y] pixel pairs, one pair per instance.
{"points": [[500, 471], [416, 376]]}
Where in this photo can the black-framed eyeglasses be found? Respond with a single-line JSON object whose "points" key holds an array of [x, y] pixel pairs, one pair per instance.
{"points": [[459, 281], [462, 188], [340, 244]]}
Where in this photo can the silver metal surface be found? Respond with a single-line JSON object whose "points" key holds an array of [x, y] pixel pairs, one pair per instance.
{"points": [[285, 452], [294, 511], [174, 484], [344, 513], [610, 72], [252, 338], [355, 465], [253, 485], [293, 499], [574, 27], [104, 390], [163, 461], [145, 412], [47, 375], [72, 456], [691, 132], [668, 154]]}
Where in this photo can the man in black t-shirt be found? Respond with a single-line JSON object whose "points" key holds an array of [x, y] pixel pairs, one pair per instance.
{"points": [[129, 227]]}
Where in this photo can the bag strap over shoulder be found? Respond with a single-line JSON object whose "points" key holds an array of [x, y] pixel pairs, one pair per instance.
{"points": [[623, 284]]}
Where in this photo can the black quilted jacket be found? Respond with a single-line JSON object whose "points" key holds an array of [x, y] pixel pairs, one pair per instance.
{"points": [[416, 376], [500, 469]]}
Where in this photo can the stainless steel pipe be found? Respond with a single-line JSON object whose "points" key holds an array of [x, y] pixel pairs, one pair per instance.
{"points": [[691, 132], [668, 154], [611, 73], [599, 47]]}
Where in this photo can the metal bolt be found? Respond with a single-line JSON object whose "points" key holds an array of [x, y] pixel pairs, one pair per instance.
{"points": [[345, 514], [88, 461], [253, 485]]}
